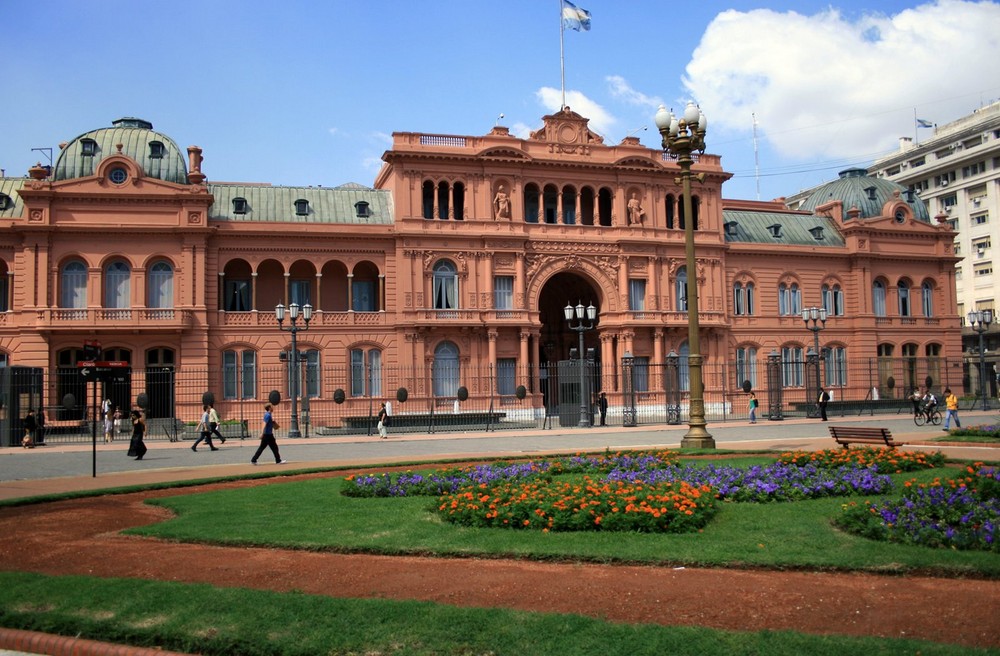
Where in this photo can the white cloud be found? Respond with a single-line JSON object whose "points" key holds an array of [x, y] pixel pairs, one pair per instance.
{"points": [[828, 85], [621, 89], [600, 120]]}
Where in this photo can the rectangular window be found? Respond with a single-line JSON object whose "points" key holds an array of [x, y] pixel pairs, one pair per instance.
{"points": [[311, 374], [637, 295], [746, 366], [792, 366], [836, 366], [640, 374], [506, 376], [503, 292], [298, 292], [984, 269], [237, 296], [363, 296], [229, 375], [249, 374], [357, 372], [980, 219]]}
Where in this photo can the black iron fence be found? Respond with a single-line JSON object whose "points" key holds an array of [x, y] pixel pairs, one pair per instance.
{"points": [[344, 401]]}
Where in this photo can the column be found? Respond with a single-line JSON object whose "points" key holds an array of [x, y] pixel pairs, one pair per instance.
{"points": [[253, 290], [492, 335], [381, 292], [317, 306], [519, 290], [350, 292], [658, 362], [522, 358], [222, 291]]}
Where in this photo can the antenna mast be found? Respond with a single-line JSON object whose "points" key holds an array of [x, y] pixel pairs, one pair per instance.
{"points": [[756, 156]]}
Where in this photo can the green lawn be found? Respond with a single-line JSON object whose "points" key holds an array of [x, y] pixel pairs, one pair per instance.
{"points": [[312, 514]]}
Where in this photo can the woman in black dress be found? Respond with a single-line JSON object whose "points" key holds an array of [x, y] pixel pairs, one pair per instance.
{"points": [[136, 447]]}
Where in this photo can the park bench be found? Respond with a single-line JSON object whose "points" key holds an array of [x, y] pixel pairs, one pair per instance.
{"points": [[845, 435]]}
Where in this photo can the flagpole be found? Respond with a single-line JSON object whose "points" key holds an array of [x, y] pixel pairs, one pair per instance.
{"points": [[562, 57], [916, 129]]}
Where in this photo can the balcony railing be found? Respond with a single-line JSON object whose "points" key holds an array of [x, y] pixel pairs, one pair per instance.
{"points": [[113, 318]]}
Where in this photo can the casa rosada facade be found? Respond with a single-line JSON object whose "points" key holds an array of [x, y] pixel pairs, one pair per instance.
{"points": [[453, 270]]}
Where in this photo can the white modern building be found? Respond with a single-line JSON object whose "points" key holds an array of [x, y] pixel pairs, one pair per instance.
{"points": [[956, 172]]}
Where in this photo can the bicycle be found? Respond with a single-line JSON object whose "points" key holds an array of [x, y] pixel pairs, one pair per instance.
{"points": [[924, 417]]}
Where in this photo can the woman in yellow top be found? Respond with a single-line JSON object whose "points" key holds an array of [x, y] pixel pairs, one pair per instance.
{"points": [[951, 408]]}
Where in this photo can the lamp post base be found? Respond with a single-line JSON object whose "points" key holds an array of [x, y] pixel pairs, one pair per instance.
{"points": [[698, 438]]}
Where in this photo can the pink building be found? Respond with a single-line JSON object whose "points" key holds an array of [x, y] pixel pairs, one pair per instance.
{"points": [[453, 272]]}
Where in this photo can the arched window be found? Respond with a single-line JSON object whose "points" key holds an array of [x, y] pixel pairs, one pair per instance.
{"points": [[569, 206], [445, 370], [117, 286], [903, 294], [927, 299], [835, 363], [833, 300], [73, 289], [161, 286], [878, 298], [532, 197], [789, 299], [681, 289], [366, 372], [239, 374], [445, 286], [792, 366], [743, 301], [746, 365], [427, 199], [670, 205]]}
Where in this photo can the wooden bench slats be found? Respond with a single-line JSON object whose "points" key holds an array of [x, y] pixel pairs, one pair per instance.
{"points": [[845, 435]]}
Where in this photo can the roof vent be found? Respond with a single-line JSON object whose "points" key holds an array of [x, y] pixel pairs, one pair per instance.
{"points": [[775, 229], [130, 122], [302, 207], [817, 233], [731, 227]]}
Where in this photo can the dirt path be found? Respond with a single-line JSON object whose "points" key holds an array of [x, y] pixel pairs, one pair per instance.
{"points": [[81, 537]]}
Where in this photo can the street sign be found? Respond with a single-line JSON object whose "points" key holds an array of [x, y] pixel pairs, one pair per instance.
{"points": [[102, 369]]}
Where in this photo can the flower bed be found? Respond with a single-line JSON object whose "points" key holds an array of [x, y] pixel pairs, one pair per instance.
{"points": [[887, 460], [961, 513], [587, 505]]}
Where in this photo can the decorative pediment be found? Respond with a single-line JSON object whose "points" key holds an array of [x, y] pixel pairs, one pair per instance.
{"points": [[632, 161], [507, 153], [566, 128]]}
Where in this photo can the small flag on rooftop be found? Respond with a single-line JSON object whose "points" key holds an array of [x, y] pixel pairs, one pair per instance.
{"points": [[924, 123], [574, 17]]}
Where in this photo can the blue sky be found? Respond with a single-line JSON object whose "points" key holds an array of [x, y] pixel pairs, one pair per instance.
{"points": [[309, 93]]}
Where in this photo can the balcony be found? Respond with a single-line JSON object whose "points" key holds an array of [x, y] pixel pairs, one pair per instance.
{"points": [[112, 319], [258, 318]]}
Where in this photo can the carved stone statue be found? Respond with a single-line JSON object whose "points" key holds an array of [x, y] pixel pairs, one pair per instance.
{"points": [[635, 213], [501, 204]]}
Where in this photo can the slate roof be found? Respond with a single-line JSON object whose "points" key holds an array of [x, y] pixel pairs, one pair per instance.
{"points": [[857, 189], [750, 227], [326, 204], [135, 136], [10, 187]]}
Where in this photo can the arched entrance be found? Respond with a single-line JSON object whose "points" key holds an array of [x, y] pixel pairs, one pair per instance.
{"points": [[568, 378]]}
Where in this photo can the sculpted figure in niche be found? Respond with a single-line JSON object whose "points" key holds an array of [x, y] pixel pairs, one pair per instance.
{"points": [[634, 211], [501, 204]]}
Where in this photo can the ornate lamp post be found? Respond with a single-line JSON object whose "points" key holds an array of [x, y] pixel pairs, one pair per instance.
{"points": [[591, 315], [980, 321], [815, 320], [681, 137], [294, 328]]}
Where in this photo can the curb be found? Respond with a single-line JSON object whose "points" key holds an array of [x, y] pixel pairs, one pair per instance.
{"points": [[34, 642]]}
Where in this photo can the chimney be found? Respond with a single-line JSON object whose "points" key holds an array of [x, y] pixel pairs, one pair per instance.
{"points": [[195, 176]]}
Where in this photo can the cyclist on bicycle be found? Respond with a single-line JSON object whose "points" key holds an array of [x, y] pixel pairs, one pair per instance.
{"points": [[930, 403]]}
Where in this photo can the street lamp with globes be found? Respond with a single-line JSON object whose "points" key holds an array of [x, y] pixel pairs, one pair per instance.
{"points": [[681, 137], [980, 321], [591, 315], [294, 328]]}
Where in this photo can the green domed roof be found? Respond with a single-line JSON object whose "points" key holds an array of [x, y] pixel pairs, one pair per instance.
{"points": [[855, 188], [156, 153]]}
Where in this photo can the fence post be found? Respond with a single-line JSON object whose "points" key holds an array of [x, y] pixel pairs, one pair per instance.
{"points": [[774, 400], [628, 397], [672, 387]]}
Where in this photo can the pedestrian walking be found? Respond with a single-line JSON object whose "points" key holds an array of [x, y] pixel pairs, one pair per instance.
{"points": [[30, 426], [109, 426], [951, 408], [753, 408], [267, 438], [823, 399], [206, 433], [602, 406], [136, 447], [40, 427], [213, 423], [383, 421]]}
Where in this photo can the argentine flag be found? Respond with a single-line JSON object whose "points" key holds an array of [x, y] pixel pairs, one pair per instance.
{"points": [[575, 18]]}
